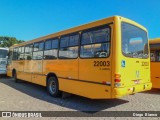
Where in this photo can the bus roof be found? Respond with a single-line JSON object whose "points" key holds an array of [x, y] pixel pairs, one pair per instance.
{"points": [[82, 27], [154, 41]]}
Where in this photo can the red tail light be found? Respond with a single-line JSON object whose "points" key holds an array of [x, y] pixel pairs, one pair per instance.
{"points": [[117, 80]]}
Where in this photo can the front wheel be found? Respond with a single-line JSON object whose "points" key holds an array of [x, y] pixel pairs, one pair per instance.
{"points": [[53, 87]]}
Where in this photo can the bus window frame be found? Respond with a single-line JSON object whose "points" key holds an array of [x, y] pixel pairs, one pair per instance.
{"points": [[51, 39], [29, 52], [122, 38], [19, 48], [15, 49], [21, 53], [38, 49], [45, 44], [70, 34], [92, 29], [155, 52]]}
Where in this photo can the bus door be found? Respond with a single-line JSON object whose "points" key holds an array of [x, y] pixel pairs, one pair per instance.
{"points": [[37, 63], [95, 61]]}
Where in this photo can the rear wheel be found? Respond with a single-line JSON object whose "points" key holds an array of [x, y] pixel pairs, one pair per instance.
{"points": [[53, 87]]}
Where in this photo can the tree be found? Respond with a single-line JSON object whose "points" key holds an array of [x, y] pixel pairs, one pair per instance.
{"points": [[6, 41]]}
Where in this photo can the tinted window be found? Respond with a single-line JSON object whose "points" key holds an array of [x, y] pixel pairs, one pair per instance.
{"points": [[158, 56], [134, 41], [69, 46], [3, 53], [15, 54], [41, 46], [155, 46], [155, 56], [38, 51], [95, 43], [52, 52], [19, 50], [48, 44], [21, 53], [74, 40], [64, 41], [22, 49], [36, 47], [55, 43], [28, 52], [38, 55], [96, 36]]}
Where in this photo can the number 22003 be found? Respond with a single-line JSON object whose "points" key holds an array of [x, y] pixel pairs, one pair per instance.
{"points": [[101, 63]]}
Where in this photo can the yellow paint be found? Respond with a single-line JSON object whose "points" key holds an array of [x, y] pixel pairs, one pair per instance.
{"points": [[70, 71]]}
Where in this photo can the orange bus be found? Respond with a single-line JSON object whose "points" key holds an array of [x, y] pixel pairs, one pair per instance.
{"points": [[104, 59], [155, 62]]}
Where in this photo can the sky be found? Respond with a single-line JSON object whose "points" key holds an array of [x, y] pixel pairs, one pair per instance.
{"points": [[30, 19]]}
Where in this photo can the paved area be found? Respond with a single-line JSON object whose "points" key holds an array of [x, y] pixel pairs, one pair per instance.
{"points": [[25, 96]]}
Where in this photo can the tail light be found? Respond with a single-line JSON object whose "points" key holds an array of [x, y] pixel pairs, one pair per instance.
{"points": [[117, 80]]}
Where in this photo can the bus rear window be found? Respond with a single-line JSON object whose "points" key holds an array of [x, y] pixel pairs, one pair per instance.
{"points": [[134, 41]]}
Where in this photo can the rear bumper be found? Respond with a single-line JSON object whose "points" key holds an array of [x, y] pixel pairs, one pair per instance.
{"points": [[119, 92]]}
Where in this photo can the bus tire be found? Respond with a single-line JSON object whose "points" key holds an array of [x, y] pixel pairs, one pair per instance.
{"points": [[53, 86]]}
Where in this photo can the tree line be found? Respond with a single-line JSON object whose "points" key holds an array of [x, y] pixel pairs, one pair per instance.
{"points": [[6, 41]]}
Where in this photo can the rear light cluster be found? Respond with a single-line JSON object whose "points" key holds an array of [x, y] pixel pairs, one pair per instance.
{"points": [[117, 80]]}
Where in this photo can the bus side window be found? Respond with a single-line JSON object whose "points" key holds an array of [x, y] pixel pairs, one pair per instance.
{"points": [[15, 54], [69, 46], [51, 49], [158, 56], [38, 51], [21, 53], [95, 43], [28, 52], [153, 57]]}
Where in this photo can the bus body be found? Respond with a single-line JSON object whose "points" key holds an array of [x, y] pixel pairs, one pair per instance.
{"points": [[155, 62], [3, 60], [105, 59]]}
